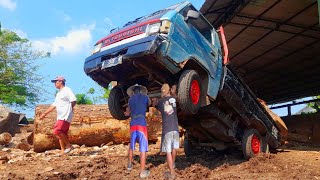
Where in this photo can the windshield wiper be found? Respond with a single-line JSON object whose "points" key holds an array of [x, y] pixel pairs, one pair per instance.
{"points": [[144, 17], [130, 22], [114, 30]]}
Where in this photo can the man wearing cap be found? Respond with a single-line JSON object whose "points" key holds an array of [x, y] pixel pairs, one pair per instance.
{"points": [[138, 104], [170, 132], [64, 102]]}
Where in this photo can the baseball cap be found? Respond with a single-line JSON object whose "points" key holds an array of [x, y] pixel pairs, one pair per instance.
{"points": [[59, 78], [165, 89]]}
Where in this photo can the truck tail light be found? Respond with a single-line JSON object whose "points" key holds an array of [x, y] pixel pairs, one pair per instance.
{"points": [[165, 26]]}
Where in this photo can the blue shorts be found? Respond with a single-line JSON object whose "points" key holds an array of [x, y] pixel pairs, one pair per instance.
{"points": [[139, 134]]}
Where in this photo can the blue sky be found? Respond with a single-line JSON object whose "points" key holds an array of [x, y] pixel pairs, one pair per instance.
{"points": [[69, 29]]}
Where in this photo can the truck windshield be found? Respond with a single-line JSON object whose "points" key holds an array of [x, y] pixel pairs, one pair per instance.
{"points": [[155, 15]]}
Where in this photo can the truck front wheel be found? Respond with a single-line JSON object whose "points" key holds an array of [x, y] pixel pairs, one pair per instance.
{"points": [[116, 102], [189, 92], [252, 143]]}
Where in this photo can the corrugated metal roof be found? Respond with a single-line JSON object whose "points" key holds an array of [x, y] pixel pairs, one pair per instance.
{"points": [[274, 45]]}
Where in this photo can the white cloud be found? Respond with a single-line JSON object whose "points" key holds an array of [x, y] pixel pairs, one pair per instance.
{"points": [[75, 41], [62, 15], [108, 22], [8, 4], [66, 17], [20, 33]]}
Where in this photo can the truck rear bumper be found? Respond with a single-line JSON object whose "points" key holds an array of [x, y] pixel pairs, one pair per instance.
{"points": [[140, 47]]}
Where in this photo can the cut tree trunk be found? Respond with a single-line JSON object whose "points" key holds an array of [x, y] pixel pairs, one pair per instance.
{"points": [[30, 138], [23, 146], [279, 122], [92, 125], [5, 138], [9, 121]]}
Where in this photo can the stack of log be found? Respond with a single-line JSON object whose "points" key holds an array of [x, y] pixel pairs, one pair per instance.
{"points": [[92, 125], [9, 128], [279, 122], [5, 138], [9, 121]]}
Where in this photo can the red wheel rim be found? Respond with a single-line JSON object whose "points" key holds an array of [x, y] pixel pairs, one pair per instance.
{"points": [[195, 92], [255, 144]]}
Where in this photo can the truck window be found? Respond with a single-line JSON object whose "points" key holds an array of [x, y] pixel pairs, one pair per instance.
{"points": [[201, 24]]}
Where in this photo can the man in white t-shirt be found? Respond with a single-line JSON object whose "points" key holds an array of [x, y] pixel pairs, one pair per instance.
{"points": [[64, 102]]}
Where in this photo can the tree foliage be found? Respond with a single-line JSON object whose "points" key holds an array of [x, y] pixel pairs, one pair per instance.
{"points": [[91, 98], [19, 81], [106, 92], [315, 105], [83, 99]]}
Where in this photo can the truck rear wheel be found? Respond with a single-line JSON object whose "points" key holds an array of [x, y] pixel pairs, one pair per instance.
{"points": [[252, 143], [115, 102], [189, 92]]}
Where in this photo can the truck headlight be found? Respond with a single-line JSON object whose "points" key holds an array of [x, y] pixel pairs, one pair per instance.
{"points": [[165, 26], [97, 48], [153, 28]]}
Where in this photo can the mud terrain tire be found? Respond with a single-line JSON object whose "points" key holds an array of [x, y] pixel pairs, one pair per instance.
{"points": [[252, 143], [115, 104], [189, 92]]}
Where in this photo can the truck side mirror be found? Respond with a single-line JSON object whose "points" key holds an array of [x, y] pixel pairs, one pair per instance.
{"points": [[192, 14]]}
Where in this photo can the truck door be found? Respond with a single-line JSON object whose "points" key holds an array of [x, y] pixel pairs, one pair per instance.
{"points": [[202, 32]]}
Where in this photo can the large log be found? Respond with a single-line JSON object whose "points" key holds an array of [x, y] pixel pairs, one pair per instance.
{"points": [[5, 138], [279, 122], [23, 146], [92, 125], [9, 121]]}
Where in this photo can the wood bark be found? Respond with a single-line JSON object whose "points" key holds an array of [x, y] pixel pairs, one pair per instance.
{"points": [[5, 138], [92, 125], [30, 138], [23, 146], [9, 121], [279, 122]]}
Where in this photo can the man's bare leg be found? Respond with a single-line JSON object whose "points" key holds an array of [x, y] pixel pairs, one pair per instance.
{"points": [[65, 140], [174, 153], [130, 155], [62, 145], [142, 161], [170, 162]]}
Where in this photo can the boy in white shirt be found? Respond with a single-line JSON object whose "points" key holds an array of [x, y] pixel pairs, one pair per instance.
{"points": [[64, 102]]}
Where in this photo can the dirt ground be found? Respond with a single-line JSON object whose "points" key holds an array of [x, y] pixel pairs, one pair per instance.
{"points": [[296, 161]]}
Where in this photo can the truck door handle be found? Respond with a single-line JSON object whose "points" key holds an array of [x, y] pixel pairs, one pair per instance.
{"points": [[213, 53]]}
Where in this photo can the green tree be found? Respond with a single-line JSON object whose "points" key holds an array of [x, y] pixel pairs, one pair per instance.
{"points": [[315, 105], [106, 92], [20, 85], [90, 98], [83, 99]]}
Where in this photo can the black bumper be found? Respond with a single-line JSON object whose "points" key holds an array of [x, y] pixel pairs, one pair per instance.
{"points": [[140, 47]]}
